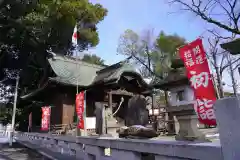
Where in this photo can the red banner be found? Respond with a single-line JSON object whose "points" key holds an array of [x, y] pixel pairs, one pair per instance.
{"points": [[46, 113], [80, 109], [198, 73]]}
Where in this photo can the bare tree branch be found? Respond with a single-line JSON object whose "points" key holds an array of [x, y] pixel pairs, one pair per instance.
{"points": [[233, 62], [236, 66], [204, 11], [139, 48]]}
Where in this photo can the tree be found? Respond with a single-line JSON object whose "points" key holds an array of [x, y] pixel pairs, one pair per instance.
{"points": [[29, 28], [224, 14], [220, 61], [6, 113], [93, 59], [233, 65], [166, 51], [140, 48], [154, 56], [217, 59]]}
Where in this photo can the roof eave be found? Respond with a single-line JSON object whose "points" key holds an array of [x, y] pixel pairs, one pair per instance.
{"points": [[233, 47], [168, 85], [31, 94], [52, 79], [139, 77]]}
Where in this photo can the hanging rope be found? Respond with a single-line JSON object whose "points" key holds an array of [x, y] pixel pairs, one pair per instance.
{"points": [[119, 106]]}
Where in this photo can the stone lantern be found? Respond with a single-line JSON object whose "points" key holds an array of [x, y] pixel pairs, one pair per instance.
{"points": [[181, 102]]}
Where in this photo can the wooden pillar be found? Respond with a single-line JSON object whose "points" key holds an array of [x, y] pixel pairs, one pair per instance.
{"points": [[110, 101], [99, 117], [104, 122]]}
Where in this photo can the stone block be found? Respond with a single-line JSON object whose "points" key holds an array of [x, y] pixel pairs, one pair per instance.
{"points": [[188, 129], [227, 112], [158, 157], [124, 155], [94, 150]]}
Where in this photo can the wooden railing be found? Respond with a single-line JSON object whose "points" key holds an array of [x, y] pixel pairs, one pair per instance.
{"points": [[61, 129], [57, 129]]}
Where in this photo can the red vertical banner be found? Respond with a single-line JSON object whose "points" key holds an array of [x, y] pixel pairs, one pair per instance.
{"points": [[46, 113], [80, 99], [198, 73]]}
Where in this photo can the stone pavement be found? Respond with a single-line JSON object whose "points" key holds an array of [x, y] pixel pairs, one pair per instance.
{"points": [[16, 152]]}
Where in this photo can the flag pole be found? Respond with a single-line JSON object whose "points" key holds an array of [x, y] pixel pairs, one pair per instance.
{"points": [[77, 76], [74, 42], [49, 127], [14, 112], [85, 113], [78, 130]]}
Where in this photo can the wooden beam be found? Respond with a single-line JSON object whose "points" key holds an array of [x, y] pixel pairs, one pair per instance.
{"points": [[110, 100], [121, 92]]}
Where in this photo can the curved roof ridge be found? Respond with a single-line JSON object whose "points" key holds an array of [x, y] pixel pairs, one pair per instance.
{"points": [[75, 60], [115, 66]]}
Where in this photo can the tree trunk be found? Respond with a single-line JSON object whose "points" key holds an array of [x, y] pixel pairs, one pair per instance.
{"points": [[219, 86], [219, 82], [234, 85]]}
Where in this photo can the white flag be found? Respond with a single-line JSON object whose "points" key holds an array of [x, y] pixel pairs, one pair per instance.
{"points": [[74, 36]]}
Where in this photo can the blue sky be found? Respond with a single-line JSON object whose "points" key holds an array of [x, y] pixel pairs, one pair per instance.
{"points": [[140, 15]]}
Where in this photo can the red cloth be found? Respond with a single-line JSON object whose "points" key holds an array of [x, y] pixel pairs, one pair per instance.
{"points": [[198, 73]]}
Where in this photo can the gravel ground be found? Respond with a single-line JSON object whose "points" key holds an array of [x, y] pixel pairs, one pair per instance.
{"points": [[16, 152]]}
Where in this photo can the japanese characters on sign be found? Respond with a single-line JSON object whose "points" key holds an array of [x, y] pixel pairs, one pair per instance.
{"points": [[189, 59], [205, 109], [80, 109], [198, 80], [198, 73], [46, 113]]}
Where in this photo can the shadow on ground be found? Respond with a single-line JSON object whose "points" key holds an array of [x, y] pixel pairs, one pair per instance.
{"points": [[18, 152]]}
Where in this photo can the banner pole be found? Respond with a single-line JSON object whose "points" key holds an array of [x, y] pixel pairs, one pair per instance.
{"points": [[85, 113], [49, 127]]}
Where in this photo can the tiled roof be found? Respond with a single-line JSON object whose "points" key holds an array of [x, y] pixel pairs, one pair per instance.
{"points": [[73, 71], [113, 72]]}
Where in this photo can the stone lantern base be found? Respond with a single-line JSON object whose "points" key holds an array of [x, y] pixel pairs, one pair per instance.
{"points": [[188, 129]]}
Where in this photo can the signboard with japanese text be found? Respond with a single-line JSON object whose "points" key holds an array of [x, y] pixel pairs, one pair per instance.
{"points": [[46, 113], [198, 73], [80, 109]]}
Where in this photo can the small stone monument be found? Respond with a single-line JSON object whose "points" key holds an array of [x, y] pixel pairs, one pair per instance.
{"points": [[136, 120], [181, 102]]}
